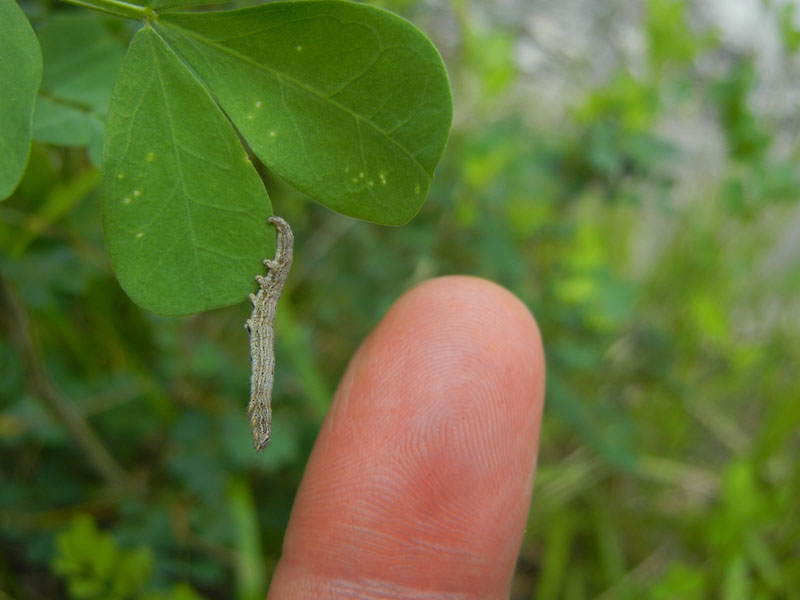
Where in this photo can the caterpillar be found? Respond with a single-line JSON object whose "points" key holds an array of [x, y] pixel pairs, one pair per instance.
{"points": [[260, 327]]}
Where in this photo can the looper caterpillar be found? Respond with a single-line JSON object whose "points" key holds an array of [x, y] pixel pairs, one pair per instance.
{"points": [[262, 338]]}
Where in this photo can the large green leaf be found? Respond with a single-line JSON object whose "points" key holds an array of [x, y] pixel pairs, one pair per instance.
{"points": [[20, 74], [347, 102], [184, 210]]}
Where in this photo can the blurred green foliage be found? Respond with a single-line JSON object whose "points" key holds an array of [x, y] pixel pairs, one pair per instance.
{"points": [[660, 260]]}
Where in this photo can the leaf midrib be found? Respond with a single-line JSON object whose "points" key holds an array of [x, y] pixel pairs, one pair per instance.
{"points": [[179, 165]]}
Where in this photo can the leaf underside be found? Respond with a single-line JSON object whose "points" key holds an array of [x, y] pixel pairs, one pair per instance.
{"points": [[348, 103], [184, 210], [20, 74]]}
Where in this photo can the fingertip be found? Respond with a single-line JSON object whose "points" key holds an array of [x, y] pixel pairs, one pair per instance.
{"points": [[472, 309]]}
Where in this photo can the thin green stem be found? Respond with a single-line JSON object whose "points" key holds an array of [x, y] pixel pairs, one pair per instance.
{"points": [[116, 7]]}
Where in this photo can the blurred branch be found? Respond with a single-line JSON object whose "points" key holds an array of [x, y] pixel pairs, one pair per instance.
{"points": [[59, 201], [721, 426], [643, 573], [697, 482], [36, 521], [21, 333]]}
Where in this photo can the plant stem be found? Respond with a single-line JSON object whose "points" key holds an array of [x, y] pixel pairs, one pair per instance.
{"points": [[20, 329], [116, 7]]}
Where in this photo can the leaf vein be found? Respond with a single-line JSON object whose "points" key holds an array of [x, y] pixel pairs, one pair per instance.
{"points": [[178, 165], [303, 87]]}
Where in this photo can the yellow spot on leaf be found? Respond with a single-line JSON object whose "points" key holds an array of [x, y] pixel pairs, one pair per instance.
{"points": [[137, 193], [299, 48], [150, 157], [258, 103], [140, 234], [120, 175], [126, 200]]}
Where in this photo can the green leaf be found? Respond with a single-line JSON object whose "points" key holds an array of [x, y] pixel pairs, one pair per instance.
{"points": [[348, 103], [81, 61], [164, 5], [184, 210], [21, 73], [62, 124]]}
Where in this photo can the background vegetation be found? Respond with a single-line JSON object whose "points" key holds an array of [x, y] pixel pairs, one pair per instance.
{"points": [[629, 169]]}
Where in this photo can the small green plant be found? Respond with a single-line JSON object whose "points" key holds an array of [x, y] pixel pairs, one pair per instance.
{"points": [[348, 103], [96, 568]]}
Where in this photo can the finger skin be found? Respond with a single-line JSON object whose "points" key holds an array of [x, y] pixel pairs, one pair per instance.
{"points": [[420, 481]]}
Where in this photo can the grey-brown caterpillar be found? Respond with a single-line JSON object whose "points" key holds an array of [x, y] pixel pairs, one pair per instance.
{"points": [[262, 336]]}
